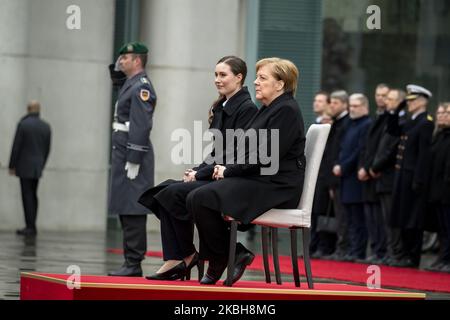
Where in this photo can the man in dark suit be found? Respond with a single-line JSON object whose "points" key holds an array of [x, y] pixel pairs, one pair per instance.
{"points": [[372, 207], [383, 171], [28, 157], [413, 161]]}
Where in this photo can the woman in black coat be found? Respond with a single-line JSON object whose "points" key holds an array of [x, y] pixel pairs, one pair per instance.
{"points": [[233, 110], [246, 190]]}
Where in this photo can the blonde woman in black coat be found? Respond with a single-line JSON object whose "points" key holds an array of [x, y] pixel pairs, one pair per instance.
{"points": [[245, 191]]}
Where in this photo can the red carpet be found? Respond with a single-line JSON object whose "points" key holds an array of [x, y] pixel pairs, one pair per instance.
{"points": [[44, 286], [356, 272]]}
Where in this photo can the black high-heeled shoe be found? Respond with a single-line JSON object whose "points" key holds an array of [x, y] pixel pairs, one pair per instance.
{"points": [[177, 272], [214, 272], [195, 262]]}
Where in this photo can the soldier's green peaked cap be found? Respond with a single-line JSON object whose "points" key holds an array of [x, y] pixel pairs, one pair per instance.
{"points": [[133, 47]]}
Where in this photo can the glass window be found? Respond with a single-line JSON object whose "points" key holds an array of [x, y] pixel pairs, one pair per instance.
{"points": [[412, 46]]}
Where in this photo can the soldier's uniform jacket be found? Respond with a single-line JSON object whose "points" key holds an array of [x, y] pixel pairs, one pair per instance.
{"points": [[412, 168], [413, 152], [134, 109]]}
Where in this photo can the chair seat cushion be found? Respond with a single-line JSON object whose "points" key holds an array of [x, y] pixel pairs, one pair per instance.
{"points": [[284, 218]]}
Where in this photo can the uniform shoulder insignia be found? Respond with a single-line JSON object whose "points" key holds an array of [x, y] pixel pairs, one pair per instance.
{"points": [[145, 94], [144, 80], [429, 118]]}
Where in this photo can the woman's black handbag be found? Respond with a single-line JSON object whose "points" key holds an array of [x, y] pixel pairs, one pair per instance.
{"points": [[327, 223]]}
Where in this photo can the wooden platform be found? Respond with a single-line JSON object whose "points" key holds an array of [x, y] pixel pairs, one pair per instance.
{"points": [[44, 286]]}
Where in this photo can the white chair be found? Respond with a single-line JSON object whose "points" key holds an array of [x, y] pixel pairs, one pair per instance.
{"points": [[292, 219]]}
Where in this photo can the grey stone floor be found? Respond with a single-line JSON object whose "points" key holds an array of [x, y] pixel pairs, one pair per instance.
{"points": [[54, 252]]}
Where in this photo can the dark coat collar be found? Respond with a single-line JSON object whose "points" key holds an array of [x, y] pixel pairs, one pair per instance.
{"points": [[234, 102], [30, 115], [420, 116], [283, 97], [357, 120]]}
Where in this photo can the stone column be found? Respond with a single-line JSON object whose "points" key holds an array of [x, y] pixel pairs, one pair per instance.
{"points": [[186, 38], [13, 56], [66, 70]]}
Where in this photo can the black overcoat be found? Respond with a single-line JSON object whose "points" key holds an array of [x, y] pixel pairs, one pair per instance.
{"points": [[384, 162], [325, 178], [439, 178], [333, 148], [236, 114], [368, 155], [245, 192]]}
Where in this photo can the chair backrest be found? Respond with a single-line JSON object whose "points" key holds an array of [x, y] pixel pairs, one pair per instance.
{"points": [[316, 139]]}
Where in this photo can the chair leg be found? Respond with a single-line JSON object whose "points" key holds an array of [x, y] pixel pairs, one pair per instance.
{"points": [[276, 262], [232, 253], [294, 257], [265, 250], [306, 239], [201, 269]]}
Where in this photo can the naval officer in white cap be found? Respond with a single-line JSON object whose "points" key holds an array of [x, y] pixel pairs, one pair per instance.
{"points": [[412, 163]]}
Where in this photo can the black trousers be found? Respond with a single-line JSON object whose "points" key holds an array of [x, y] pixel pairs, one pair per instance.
{"points": [[357, 230], [315, 235], [177, 236], [134, 238], [376, 229], [177, 224], [213, 231], [444, 224], [29, 201], [393, 235], [341, 214]]}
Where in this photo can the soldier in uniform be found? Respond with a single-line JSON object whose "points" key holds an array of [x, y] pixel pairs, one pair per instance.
{"points": [[132, 159], [413, 159]]}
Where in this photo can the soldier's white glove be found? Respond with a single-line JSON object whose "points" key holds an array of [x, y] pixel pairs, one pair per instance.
{"points": [[132, 170]]}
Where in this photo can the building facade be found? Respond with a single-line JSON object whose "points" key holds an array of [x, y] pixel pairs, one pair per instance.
{"points": [[66, 70]]}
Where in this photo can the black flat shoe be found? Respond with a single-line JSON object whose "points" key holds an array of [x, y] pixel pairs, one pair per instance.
{"points": [[214, 272], [177, 272], [243, 258]]}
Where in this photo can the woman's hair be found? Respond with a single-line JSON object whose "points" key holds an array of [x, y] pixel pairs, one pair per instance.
{"points": [[437, 127], [282, 69], [237, 66]]}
